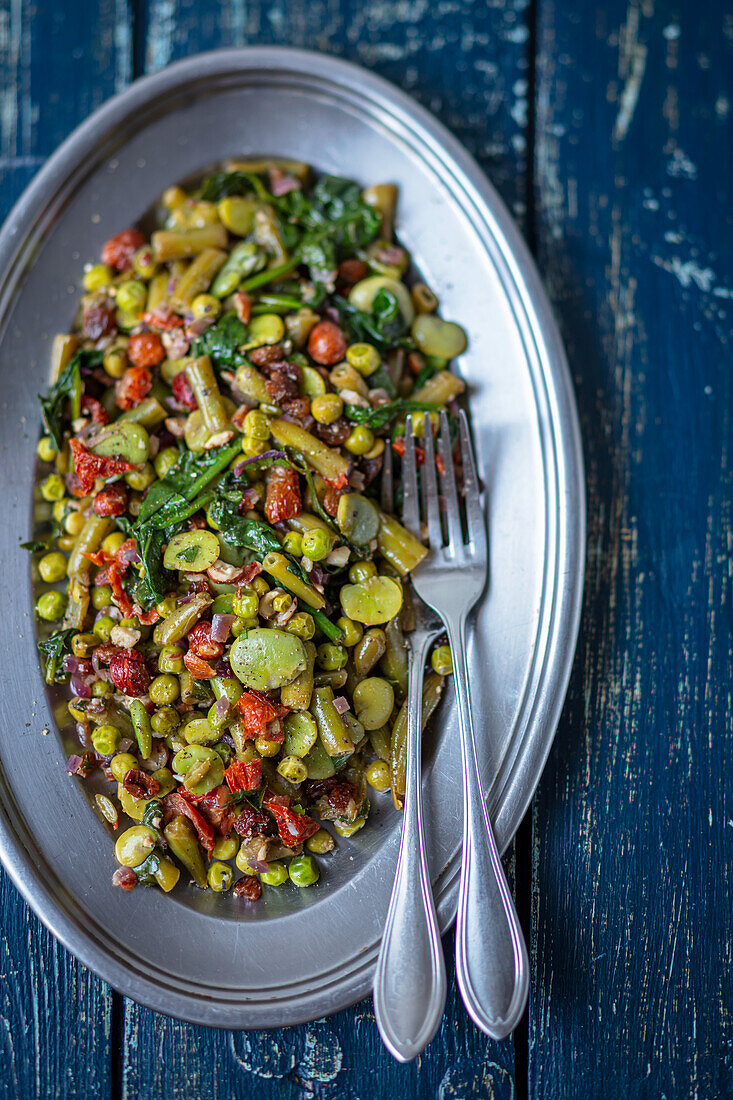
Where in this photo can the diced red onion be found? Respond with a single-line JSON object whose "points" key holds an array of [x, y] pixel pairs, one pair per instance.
{"points": [[71, 663], [258, 865], [73, 765], [220, 627], [341, 704], [187, 599], [221, 708], [129, 554], [125, 744], [224, 669], [80, 687], [229, 739]]}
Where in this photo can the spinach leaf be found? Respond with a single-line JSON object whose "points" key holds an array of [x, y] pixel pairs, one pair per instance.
{"points": [[68, 387], [54, 649], [155, 580], [35, 546], [221, 341], [385, 414], [247, 534], [385, 326], [223, 184]]}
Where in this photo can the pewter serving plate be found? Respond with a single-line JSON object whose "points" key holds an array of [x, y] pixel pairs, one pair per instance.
{"points": [[299, 954]]}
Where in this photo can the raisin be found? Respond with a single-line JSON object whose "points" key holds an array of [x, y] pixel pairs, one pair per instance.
{"points": [[251, 822], [98, 320], [128, 672], [352, 271], [249, 887]]}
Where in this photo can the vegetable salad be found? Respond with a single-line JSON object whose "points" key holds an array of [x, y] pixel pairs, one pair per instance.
{"points": [[223, 592]]}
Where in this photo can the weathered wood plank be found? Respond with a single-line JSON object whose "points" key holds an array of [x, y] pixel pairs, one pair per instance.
{"points": [[632, 989], [56, 64], [468, 62]]}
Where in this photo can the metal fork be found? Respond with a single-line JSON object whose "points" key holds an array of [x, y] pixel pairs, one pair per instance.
{"points": [[491, 958], [410, 983]]}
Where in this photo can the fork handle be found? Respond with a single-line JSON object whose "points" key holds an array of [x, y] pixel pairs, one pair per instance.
{"points": [[410, 983], [492, 969]]}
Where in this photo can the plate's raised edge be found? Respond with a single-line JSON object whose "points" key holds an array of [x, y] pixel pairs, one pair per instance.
{"points": [[43, 190]]}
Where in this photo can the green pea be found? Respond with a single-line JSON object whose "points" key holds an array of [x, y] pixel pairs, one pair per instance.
{"points": [[225, 847], [362, 571], [164, 689], [320, 843], [441, 660], [103, 627], [131, 296], [96, 277], [52, 567], [165, 721], [276, 876], [53, 488], [293, 543], [50, 606], [170, 659], [220, 877], [317, 544], [165, 460], [144, 262], [101, 597], [302, 625], [141, 479], [121, 764], [303, 871], [292, 769], [246, 602], [379, 775], [331, 657], [106, 739], [192, 551], [101, 688]]}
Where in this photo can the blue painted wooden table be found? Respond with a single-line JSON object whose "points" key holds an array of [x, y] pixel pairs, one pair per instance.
{"points": [[607, 129]]}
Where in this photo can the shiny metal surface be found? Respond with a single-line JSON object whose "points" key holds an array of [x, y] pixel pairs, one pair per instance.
{"points": [[409, 982], [492, 968], [307, 953]]}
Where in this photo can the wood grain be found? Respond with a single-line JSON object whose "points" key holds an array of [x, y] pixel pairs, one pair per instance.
{"points": [[55, 1016], [632, 987]]}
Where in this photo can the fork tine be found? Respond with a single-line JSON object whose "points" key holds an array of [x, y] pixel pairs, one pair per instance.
{"points": [[387, 491], [410, 497], [448, 483], [431, 508], [474, 512]]}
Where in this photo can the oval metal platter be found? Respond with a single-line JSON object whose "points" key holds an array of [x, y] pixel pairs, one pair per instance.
{"points": [[298, 954]]}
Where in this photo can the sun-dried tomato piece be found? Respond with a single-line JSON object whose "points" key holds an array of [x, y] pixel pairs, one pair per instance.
{"points": [[200, 643], [125, 878], [95, 409], [88, 467], [248, 887], [147, 618], [257, 711], [398, 446], [293, 828], [111, 501], [183, 391], [139, 784], [177, 802], [199, 669], [252, 822], [326, 343], [163, 318], [146, 349], [133, 387], [283, 494], [219, 809], [244, 777], [98, 320], [129, 673], [119, 250]]}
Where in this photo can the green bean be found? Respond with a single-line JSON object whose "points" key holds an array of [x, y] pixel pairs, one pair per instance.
{"points": [[431, 692], [277, 566], [329, 463], [397, 546], [88, 542], [149, 414], [157, 291], [441, 389], [394, 661], [63, 348], [184, 845], [141, 723], [297, 695], [77, 604], [204, 385], [180, 621], [251, 383], [380, 740], [270, 274], [180, 244], [331, 728], [198, 278], [301, 734], [368, 650]]}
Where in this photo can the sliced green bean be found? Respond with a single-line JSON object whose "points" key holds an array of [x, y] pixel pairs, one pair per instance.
{"points": [[331, 728], [88, 542], [431, 692], [204, 385], [143, 730]]}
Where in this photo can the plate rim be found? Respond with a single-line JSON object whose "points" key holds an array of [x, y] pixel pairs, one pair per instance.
{"points": [[16, 843]]}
